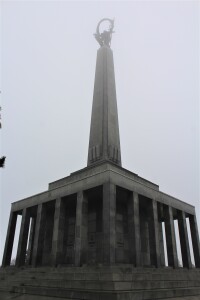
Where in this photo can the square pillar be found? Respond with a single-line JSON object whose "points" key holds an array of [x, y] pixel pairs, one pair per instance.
{"points": [[170, 237], [9, 239], [23, 238], [195, 240], [48, 235], [160, 231], [31, 240], [154, 234], [144, 241], [58, 232], [81, 229], [185, 249], [161, 245], [109, 216], [134, 229], [39, 236]]}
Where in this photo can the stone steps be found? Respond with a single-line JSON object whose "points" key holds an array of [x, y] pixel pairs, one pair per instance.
{"points": [[110, 278], [112, 286], [108, 295], [102, 283], [173, 275], [97, 269]]}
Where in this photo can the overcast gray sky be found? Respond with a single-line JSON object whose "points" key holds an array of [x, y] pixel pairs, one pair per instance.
{"points": [[48, 56]]}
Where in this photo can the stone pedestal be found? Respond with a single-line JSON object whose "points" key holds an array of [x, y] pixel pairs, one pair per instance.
{"points": [[101, 215]]}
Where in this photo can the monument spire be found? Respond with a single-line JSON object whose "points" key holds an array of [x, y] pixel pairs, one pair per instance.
{"points": [[104, 143]]}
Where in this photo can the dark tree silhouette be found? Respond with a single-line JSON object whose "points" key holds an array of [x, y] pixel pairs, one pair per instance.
{"points": [[2, 161]]}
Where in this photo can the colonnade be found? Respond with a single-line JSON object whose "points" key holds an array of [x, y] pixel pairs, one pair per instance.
{"points": [[107, 225]]}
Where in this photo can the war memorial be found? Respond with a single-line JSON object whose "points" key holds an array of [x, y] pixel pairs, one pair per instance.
{"points": [[97, 234]]}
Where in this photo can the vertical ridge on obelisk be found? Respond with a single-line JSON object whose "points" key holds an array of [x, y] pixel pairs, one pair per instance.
{"points": [[104, 141]]}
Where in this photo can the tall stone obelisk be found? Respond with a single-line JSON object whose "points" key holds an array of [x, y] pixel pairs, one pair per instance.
{"points": [[104, 144]]}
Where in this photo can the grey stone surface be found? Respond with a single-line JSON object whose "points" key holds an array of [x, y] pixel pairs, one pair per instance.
{"points": [[195, 239], [184, 241], [184, 298], [23, 237], [9, 239], [161, 245], [58, 233], [97, 175], [134, 229], [101, 226], [99, 283], [145, 247], [104, 141], [81, 238], [8, 296], [39, 236], [109, 229], [31, 242], [170, 238], [154, 234]]}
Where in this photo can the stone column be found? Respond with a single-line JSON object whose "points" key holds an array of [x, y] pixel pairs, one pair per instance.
{"points": [[134, 229], [9, 239], [31, 239], [109, 232], [23, 238], [39, 235], [154, 234], [185, 249], [47, 244], [161, 245], [170, 237], [58, 232], [195, 239], [81, 229], [144, 238]]}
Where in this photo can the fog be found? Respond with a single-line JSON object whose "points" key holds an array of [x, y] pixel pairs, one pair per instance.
{"points": [[48, 56]]}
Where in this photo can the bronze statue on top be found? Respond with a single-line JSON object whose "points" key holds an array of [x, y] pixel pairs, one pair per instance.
{"points": [[104, 38]]}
